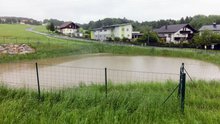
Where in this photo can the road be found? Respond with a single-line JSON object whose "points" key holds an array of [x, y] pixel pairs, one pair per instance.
{"points": [[31, 29]]}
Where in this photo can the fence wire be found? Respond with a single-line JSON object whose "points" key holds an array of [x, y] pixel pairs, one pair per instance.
{"points": [[58, 76]]}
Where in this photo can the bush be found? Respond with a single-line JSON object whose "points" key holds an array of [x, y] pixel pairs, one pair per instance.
{"points": [[124, 39], [151, 36], [109, 39], [206, 38], [117, 39]]}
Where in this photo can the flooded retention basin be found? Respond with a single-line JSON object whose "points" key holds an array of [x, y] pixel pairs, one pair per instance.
{"points": [[73, 70]]}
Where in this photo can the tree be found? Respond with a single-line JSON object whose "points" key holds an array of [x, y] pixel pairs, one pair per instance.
{"points": [[182, 21], [206, 38], [50, 27], [149, 38]]}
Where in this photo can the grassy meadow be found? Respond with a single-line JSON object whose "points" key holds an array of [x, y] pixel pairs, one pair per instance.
{"points": [[139, 102], [130, 103]]}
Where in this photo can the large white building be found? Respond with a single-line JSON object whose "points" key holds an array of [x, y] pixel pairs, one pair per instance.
{"points": [[113, 31], [176, 33]]}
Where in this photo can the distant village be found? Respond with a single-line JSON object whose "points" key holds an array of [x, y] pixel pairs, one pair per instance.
{"points": [[175, 34]]}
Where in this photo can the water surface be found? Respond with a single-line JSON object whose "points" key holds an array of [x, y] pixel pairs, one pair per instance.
{"points": [[73, 70]]}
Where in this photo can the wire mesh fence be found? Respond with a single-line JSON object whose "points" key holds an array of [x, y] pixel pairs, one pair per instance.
{"points": [[203, 72], [125, 76], [59, 76], [18, 75]]}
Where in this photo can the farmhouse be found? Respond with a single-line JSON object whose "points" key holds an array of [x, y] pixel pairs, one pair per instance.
{"points": [[176, 33], [214, 27], [113, 31], [69, 28]]}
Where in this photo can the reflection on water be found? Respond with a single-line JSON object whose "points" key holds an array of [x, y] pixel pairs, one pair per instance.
{"points": [[73, 70]]}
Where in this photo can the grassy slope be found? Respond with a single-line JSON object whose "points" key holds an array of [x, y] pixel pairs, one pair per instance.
{"points": [[131, 103]]}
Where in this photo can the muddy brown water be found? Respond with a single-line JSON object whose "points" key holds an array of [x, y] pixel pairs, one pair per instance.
{"points": [[87, 69]]}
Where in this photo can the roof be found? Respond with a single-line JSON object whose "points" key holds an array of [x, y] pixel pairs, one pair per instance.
{"points": [[64, 25], [112, 26], [172, 28], [210, 27]]}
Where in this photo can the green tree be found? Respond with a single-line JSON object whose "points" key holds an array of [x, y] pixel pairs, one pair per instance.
{"points": [[149, 38], [206, 38], [50, 27]]}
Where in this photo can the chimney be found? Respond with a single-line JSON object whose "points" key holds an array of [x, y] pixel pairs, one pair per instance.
{"points": [[166, 27], [214, 25]]}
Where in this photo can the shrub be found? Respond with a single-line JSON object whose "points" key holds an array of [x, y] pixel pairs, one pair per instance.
{"points": [[117, 39]]}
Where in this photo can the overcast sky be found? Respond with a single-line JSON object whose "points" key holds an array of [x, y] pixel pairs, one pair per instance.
{"points": [[83, 11]]}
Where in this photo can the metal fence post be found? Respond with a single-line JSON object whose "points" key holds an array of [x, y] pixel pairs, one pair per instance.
{"points": [[183, 84], [181, 72], [38, 81], [106, 83]]}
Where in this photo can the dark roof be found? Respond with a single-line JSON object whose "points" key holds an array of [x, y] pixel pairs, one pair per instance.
{"points": [[111, 26], [210, 27], [172, 28], [64, 25]]}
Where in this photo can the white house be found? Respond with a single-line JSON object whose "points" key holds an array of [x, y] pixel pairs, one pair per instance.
{"points": [[176, 33], [69, 28], [113, 31], [214, 27]]}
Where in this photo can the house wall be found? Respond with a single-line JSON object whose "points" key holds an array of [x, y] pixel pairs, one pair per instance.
{"points": [[121, 31], [92, 34], [68, 31], [124, 31]]}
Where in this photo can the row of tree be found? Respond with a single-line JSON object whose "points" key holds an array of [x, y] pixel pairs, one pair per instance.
{"points": [[18, 20], [55, 22], [196, 22]]}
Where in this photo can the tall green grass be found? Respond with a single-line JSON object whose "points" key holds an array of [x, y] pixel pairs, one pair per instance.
{"points": [[130, 103]]}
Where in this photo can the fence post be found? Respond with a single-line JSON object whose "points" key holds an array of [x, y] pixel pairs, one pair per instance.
{"points": [[181, 72], [106, 83], [38, 81], [183, 84]]}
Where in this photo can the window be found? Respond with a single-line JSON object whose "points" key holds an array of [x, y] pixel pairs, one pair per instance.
{"points": [[122, 35], [123, 29], [127, 29]]}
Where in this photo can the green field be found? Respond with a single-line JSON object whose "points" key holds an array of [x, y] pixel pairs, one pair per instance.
{"points": [[139, 102], [130, 103]]}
